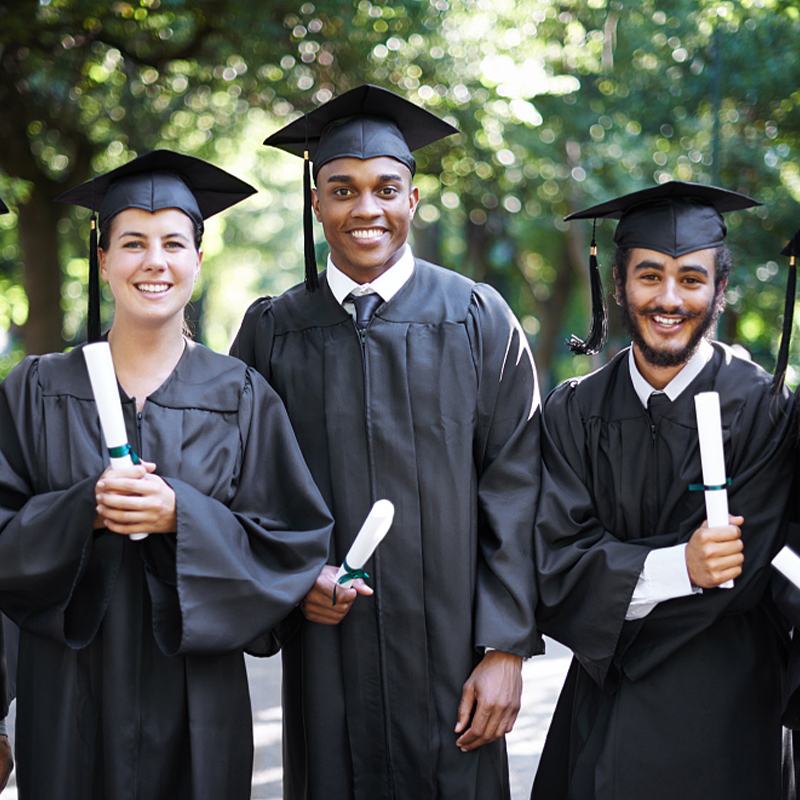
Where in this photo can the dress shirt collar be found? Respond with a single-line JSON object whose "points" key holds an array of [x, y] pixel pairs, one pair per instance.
{"points": [[386, 285], [676, 386]]}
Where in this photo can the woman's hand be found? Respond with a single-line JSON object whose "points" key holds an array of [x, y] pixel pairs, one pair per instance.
{"points": [[135, 500]]}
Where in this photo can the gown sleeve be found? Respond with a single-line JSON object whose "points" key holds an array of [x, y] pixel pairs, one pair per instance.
{"points": [[241, 568], [507, 458]]}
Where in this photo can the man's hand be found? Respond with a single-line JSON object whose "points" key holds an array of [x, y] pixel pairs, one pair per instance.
{"points": [[491, 698], [714, 555], [134, 500], [6, 761], [318, 605]]}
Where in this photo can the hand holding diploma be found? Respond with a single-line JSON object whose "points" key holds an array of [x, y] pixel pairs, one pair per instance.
{"points": [[103, 378], [335, 589], [724, 545]]}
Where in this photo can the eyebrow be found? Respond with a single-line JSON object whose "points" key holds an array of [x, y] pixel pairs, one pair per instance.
{"points": [[645, 265], [140, 235], [391, 176]]}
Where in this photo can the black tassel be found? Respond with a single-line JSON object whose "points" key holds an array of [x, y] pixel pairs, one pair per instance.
{"points": [[312, 279], [786, 333], [598, 332], [93, 315]]}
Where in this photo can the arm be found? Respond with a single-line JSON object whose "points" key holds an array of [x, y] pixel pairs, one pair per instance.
{"points": [[241, 566], [506, 453]]}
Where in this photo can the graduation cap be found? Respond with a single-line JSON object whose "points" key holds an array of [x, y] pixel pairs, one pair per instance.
{"points": [[3, 208], [792, 250], [154, 181], [675, 218], [366, 122]]}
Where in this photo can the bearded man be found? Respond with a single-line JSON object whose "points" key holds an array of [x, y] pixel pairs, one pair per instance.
{"points": [[674, 691]]}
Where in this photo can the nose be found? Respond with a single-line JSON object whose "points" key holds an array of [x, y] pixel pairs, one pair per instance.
{"points": [[366, 206], [156, 257], [669, 296]]}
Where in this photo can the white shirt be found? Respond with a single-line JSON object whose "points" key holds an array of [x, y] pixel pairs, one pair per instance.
{"points": [[386, 285], [664, 573]]}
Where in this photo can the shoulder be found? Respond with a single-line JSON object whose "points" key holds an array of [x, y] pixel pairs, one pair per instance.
{"points": [[60, 374], [588, 394]]}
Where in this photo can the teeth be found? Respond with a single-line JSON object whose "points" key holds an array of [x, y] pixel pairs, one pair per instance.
{"points": [[152, 288], [668, 320], [372, 233]]}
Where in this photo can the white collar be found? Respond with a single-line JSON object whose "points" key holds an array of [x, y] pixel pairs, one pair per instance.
{"points": [[675, 387], [386, 285]]}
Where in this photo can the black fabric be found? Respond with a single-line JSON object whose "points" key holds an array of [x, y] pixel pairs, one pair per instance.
{"points": [[366, 122], [437, 411], [131, 680], [157, 180], [675, 217], [686, 702]]}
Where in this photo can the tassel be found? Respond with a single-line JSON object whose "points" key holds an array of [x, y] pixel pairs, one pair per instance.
{"points": [[786, 333], [93, 314], [312, 279], [598, 332]]}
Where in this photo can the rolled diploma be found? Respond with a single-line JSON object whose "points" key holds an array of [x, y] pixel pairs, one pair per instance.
{"points": [[787, 562], [712, 457], [375, 527], [106, 396]]}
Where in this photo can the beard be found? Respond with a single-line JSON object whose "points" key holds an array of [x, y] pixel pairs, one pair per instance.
{"points": [[665, 357]]}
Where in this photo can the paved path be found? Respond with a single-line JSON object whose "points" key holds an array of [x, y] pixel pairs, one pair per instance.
{"points": [[543, 678]]}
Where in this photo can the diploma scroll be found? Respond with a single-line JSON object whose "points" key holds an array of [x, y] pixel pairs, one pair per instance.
{"points": [[106, 396], [787, 562], [375, 527], [712, 458]]}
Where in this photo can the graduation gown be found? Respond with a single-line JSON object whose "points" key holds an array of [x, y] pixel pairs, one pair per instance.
{"points": [[436, 410], [131, 681], [684, 703]]}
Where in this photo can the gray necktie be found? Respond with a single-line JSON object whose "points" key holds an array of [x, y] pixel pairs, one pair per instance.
{"points": [[365, 307]]}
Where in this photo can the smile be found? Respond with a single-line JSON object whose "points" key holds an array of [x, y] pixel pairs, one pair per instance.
{"points": [[152, 288], [367, 233], [668, 322]]}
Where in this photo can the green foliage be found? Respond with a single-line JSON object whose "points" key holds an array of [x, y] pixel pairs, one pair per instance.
{"points": [[560, 104]]}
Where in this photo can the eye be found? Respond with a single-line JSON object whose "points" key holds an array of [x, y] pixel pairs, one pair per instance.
{"points": [[175, 244], [342, 191], [132, 244], [388, 191]]}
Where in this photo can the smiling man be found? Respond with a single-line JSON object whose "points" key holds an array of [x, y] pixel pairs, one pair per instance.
{"points": [[674, 691], [409, 382]]}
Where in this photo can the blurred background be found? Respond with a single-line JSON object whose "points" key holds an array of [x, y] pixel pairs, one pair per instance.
{"points": [[561, 105]]}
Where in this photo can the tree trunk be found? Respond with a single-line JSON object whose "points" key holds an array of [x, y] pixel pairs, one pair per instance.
{"points": [[38, 221]]}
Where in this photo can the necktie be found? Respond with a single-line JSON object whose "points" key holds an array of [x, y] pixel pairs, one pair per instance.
{"points": [[657, 404], [365, 307]]}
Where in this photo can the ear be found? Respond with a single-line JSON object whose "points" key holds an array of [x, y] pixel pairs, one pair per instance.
{"points": [[199, 263], [618, 289], [413, 199], [315, 204], [101, 260]]}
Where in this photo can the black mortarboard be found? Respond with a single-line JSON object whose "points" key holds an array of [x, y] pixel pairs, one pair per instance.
{"points": [[675, 218], [366, 122], [792, 250], [154, 181], [3, 208]]}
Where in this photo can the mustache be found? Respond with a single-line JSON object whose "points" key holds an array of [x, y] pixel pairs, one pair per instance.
{"points": [[663, 311]]}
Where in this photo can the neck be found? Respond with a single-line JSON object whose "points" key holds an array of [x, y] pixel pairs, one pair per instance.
{"points": [[145, 357], [657, 377]]}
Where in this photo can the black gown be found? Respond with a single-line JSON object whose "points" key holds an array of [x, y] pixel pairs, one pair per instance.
{"points": [[686, 702], [438, 411], [131, 680]]}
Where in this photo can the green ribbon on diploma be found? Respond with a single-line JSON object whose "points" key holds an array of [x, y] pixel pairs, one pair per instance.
{"points": [[701, 487], [349, 574], [121, 452]]}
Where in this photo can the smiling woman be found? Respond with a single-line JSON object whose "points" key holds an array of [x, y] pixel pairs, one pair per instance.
{"points": [[131, 663]]}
